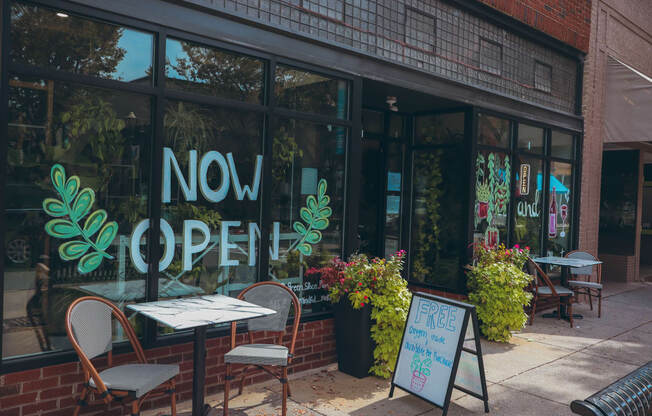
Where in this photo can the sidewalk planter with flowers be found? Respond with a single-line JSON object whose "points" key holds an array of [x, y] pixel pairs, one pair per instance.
{"points": [[497, 286], [371, 302]]}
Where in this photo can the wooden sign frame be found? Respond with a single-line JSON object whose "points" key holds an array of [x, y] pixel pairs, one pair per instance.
{"points": [[469, 315]]}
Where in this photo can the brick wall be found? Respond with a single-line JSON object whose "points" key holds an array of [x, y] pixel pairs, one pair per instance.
{"points": [[52, 391], [566, 20]]}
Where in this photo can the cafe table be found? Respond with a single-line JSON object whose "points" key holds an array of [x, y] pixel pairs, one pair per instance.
{"points": [[566, 264], [198, 313]]}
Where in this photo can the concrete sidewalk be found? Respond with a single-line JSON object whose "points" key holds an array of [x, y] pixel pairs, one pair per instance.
{"points": [[539, 372]]}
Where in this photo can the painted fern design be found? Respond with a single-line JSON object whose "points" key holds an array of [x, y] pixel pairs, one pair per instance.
{"points": [[68, 212], [315, 216]]}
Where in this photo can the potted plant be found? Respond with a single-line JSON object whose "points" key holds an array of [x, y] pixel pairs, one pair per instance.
{"points": [[497, 285], [420, 372], [370, 302]]}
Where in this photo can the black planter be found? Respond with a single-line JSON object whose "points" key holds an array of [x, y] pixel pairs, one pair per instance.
{"points": [[355, 347]]}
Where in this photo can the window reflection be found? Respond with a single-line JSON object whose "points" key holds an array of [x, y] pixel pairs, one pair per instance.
{"points": [[310, 92], [493, 131], [43, 37], [305, 155], [559, 208], [529, 199], [102, 138], [201, 69], [530, 139]]}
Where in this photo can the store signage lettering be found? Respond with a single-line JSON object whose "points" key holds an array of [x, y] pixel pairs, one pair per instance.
{"points": [[525, 179]]}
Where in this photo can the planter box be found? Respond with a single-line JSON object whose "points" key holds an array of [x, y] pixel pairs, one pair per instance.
{"points": [[355, 347]]}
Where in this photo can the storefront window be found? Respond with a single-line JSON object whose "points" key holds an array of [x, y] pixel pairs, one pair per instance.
{"points": [[493, 131], [530, 139], [201, 69], [440, 187], [310, 92], [212, 202], [57, 40], [559, 209], [529, 199], [307, 203], [77, 183], [492, 194], [562, 145]]}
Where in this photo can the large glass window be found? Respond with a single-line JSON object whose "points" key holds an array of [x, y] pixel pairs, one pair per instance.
{"points": [[440, 187], [529, 199], [76, 185], [492, 196], [559, 210], [308, 172], [530, 139], [493, 131], [196, 68], [58, 40]]}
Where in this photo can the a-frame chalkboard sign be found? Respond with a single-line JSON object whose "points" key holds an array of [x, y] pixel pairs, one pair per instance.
{"points": [[440, 350]]}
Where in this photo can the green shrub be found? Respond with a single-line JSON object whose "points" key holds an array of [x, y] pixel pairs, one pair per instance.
{"points": [[497, 288]]}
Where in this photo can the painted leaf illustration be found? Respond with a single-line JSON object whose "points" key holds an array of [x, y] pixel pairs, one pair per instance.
{"points": [[94, 222], [89, 262], [300, 228], [72, 250], [83, 204], [321, 187], [72, 186], [58, 176], [313, 237], [60, 228], [325, 212], [305, 249], [324, 201], [75, 205], [320, 224], [107, 234], [305, 215], [311, 203], [54, 207]]}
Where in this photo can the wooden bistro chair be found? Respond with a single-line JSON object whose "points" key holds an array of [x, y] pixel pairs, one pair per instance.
{"points": [[274, 296], [584, 285], [89, 328], [542, 287]]}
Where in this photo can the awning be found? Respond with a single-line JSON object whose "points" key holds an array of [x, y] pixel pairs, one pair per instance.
{"points": [[628, 106]]}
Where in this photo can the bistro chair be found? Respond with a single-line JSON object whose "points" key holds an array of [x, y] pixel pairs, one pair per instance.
{"points": [[266, 357], [585, 286], [542, 287], [89, 328]]}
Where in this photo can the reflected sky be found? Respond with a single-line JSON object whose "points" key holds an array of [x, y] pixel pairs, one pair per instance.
{"points": [[139, 55]]}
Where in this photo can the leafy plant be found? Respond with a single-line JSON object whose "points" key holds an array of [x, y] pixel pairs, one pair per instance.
{"points": [[421, 367], [497, 287], [315, 215], [75, 206], [379, 283]]}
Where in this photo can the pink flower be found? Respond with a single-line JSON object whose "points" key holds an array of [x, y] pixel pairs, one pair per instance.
{"points": [[341, 280], [359, 283], [527, 248], [516, 246], [361, 304]]}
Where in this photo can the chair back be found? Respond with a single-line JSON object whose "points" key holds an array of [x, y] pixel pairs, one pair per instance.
{"points": [[581, 255], [537, 271], [274, 296]]}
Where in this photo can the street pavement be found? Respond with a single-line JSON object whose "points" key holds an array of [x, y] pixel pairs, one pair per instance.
{"points": [[542, 369]]}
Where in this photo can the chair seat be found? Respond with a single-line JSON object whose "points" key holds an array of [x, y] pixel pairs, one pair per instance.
{"points": [[582, 283], [137, 378], [261, 354], [561, 291]]}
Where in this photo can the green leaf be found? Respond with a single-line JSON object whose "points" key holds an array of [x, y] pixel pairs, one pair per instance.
{"points": [[60, 228], [54, 207], [321, 188], [72, 186], [305, 215], [94, 222], [320, 224], [305, 249], [324, 201], [311, 203], [73, 249], [325, 212], [83, 204], [106, 236], [89, 262], [58, 176], [313, 237], [300, 228]]}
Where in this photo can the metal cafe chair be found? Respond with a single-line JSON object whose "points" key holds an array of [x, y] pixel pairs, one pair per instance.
{"points": [[544, 288], [274, 296], [89, 328], [586, 286]]}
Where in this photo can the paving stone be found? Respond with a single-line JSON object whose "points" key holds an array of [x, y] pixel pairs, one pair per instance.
{"points": [[633, 347]]}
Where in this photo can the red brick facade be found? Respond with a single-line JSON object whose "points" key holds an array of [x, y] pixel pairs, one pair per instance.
{"points": [[52, 391], [566, 20]]}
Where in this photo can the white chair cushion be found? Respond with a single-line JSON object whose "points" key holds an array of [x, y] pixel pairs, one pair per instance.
{"points": [[561, 291], [139, 378], [261, 354], [582, 283]]}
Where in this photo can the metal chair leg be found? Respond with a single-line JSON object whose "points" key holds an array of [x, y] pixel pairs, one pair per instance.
{"points": [[599, 303], [588, 292], [173, 398], [569, 308], [82, 398], [135, 408], [284, 380], [227, 385]]}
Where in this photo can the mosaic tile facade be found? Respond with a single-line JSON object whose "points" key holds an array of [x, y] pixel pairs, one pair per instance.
{"points": [[430, 35]]}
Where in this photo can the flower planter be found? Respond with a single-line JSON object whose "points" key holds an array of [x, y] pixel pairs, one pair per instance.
{"points": [[418, 382], [353, 336]]}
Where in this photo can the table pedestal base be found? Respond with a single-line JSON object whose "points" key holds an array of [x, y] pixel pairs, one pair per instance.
{"points": [[199, 408], [564, 315]]}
